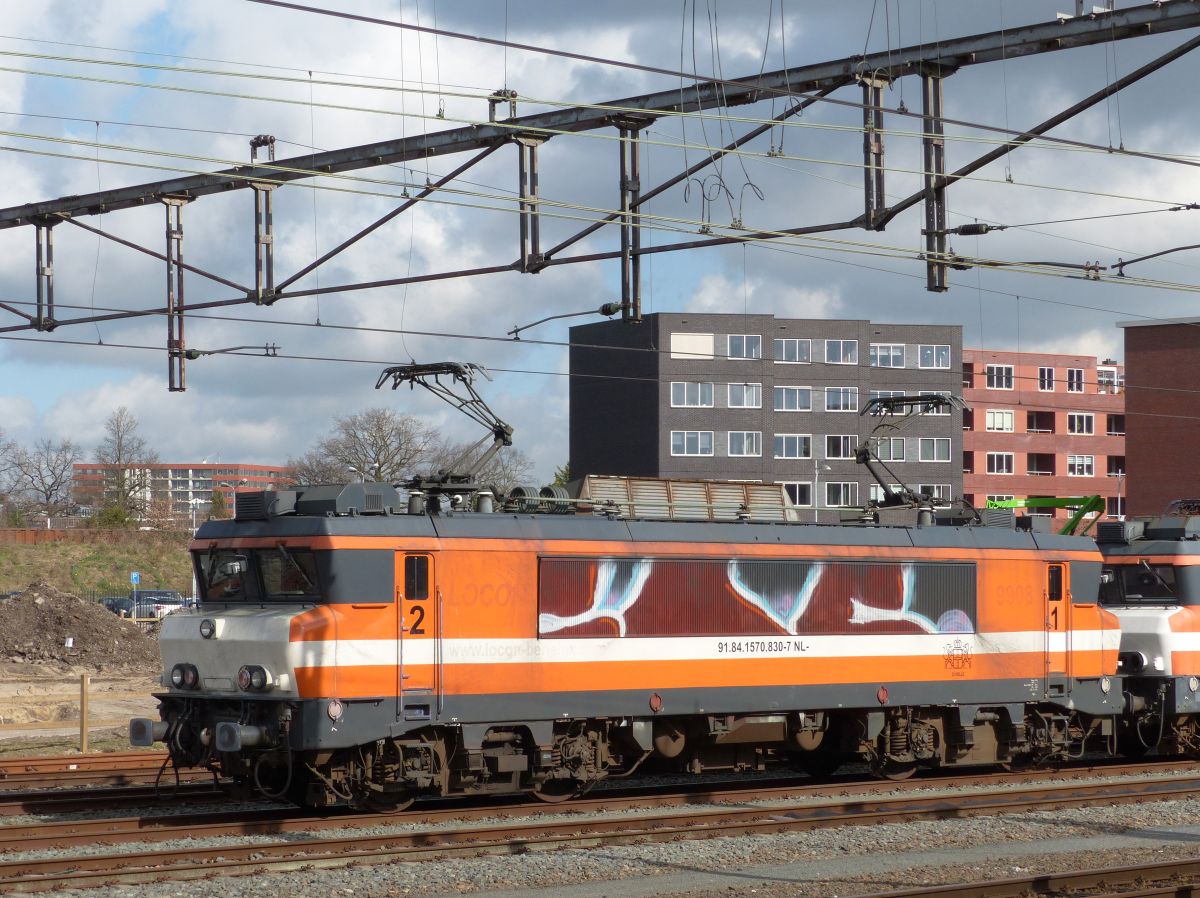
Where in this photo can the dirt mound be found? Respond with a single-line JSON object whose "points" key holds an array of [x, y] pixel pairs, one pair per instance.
{"points": [[36, 624]]}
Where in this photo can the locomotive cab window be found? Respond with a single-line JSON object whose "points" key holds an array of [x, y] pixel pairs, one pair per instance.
{"points": [[289, 573], [1147, 584], [226, 576], [416, 577], [1054, 582]]}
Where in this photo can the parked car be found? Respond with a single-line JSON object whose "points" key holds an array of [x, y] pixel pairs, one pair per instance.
{"points": [[155, 602], [119, 605]]}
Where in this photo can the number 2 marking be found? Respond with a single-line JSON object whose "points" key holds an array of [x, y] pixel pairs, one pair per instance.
{"points": [[418, 618]]}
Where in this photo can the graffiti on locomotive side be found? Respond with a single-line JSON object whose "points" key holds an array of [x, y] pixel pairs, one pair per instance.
{"points": [[606, 597]]}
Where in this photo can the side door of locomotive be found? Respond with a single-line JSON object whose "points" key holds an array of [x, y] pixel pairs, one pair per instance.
{"points": [[1058, 628], [418, 648]]}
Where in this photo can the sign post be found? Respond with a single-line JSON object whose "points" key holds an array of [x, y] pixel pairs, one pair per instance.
{"points": [[134, 579]]}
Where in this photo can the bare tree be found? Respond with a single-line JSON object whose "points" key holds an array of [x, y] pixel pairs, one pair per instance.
{"points": [[315, 467], [376, 444], [43, 474], [507, 468], [127, 455]]}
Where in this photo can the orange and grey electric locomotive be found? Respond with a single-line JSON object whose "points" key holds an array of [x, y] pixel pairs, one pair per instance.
{"points": [[349, 648], [1151, 582]]}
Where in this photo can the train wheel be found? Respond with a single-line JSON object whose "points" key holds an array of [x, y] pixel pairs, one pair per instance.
{"points": [[896, 770], [556, 791], [819, 763], [389, 804]]}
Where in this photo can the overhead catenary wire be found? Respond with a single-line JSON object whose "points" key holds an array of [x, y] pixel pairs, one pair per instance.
{"points": [[1044, 141], [641, 222], [306, 172], [640, 218], [491, 368]]}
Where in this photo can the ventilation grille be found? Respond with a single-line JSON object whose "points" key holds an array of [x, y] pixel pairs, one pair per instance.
{"points": [[250, 506], [649, 497]]}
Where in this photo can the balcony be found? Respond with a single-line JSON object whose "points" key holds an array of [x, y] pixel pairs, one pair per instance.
{"points": [[1040, 464], [1039, 422]]}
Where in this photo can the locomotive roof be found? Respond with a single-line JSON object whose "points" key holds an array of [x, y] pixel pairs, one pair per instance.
{"points": [[540, 527]]}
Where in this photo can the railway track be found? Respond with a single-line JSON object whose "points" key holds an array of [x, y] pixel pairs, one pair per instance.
{"points": [[1168, 879], [107, 769], [519, 832], [66, 801]]}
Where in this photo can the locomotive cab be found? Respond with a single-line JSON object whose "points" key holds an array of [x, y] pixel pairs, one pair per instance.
{"points": [[1151, 582]]}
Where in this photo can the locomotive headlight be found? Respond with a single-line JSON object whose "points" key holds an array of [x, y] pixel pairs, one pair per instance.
{"points": [[185, 676], [208, 628], [1105, 685], [253, 677]]}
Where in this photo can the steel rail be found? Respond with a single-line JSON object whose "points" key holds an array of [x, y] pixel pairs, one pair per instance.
{"points": [[1098, 882], [33, 875], [91, 799], [115, 760]]}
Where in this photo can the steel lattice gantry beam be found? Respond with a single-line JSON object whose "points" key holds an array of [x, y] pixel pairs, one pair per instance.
{"points": [[810, 83]]}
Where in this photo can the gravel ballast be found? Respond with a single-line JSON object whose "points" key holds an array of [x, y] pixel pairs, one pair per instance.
{"points": [[843, 861]]}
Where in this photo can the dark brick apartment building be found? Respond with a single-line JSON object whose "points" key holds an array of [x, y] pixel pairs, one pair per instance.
{"points": [[762, 399]]}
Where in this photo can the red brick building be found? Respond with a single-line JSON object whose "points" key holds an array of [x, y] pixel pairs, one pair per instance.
{"points": [[178, 488], [1043, 425], [1162, 359]]}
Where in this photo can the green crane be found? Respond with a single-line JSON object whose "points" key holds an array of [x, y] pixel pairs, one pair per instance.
{"points": [[1083, 505]]}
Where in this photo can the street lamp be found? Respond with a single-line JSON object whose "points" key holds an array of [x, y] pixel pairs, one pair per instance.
{"points": [[816, 497], [194, 502], [372, 469]]}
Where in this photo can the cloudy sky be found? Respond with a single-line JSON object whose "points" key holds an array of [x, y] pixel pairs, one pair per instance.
{"points": [[269, 71]]}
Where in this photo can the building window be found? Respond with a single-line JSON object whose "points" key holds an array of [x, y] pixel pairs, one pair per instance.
{"points": [[942, 410], [798, 493], [939, 491], [1000, 498], [1116, 425], [745, 442], [886, 394], [793, 399], [691, 442], [841, 399], [936, 355], [934, 449], [1109, 380], [1000, 420], [1000, 462], [693, 346], [1046, 380], [1082, 423], [1081, 465], [841, 352], [792, 351], [1116, 466], [875, 493], [745, 346], [841, 494], [745, 395], [887, 355], [890, 448], [1074, 380], [999, 377], [1116, 507], [689, 394], [840, 445], [793, 445]]}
